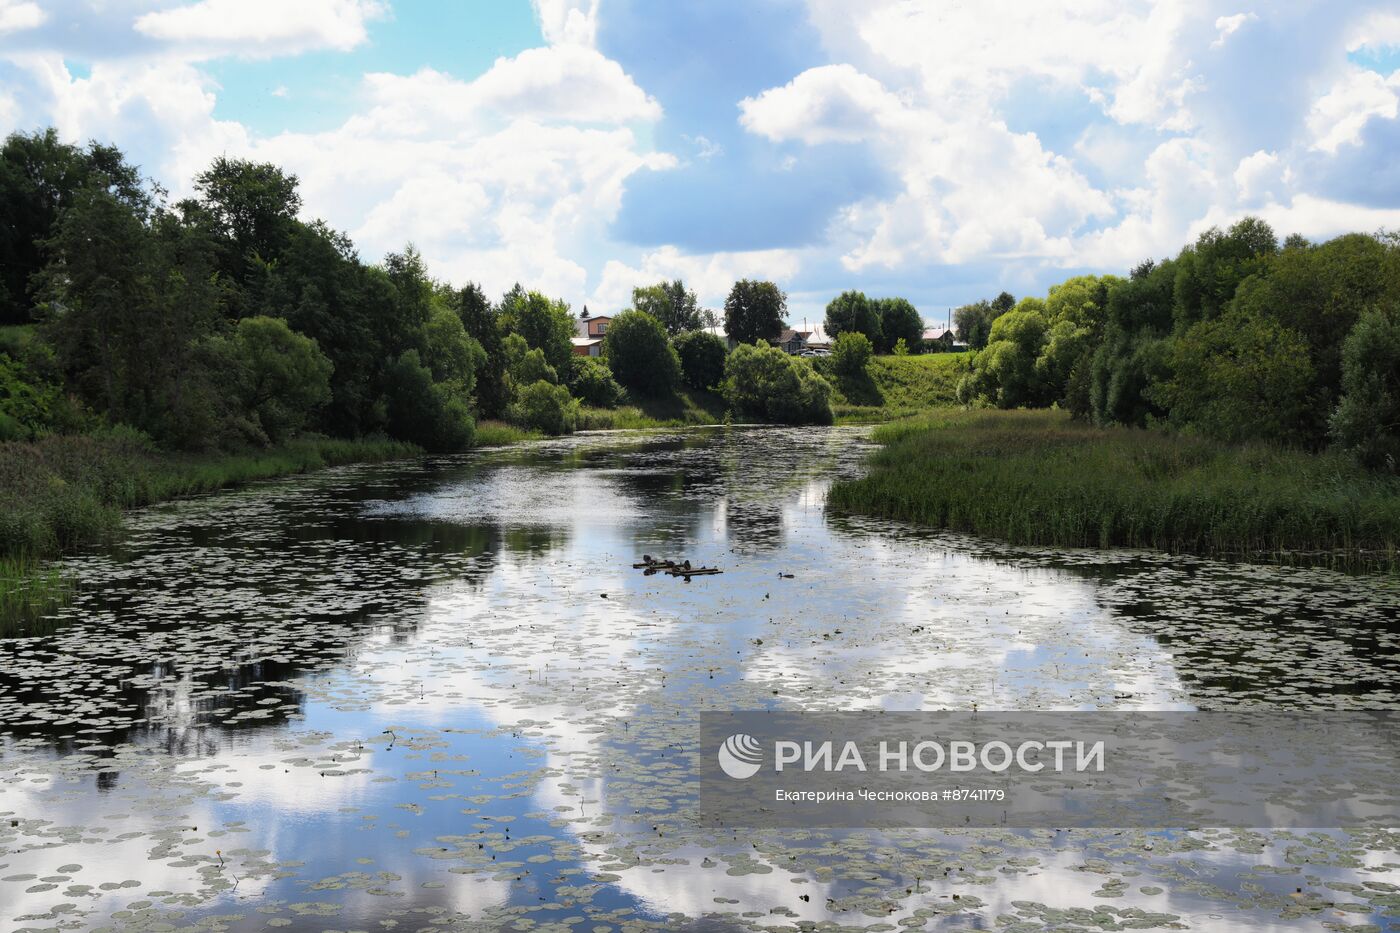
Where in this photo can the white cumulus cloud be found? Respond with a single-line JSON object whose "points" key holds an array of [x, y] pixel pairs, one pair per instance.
{"points": [[16, 15], [259, 28]]}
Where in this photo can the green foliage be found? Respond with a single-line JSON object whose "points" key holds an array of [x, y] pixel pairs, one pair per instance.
{"points": [[253, 207], [899, 321], [973, 323], [640, 355], [547, 326], [1367, 420], [40, 178], [453, 356], [671, 303], [423, 412], [543, 406], [900, 348], [1077, 311], [702, 358], [592, 383], [852, 312], [1037, 477], [764, 382], [276, 377], [1208, 273], [753, 311], [64, 491], [126, 303], [1240, 377], [850, 355], [1006, 372], [525, 365], [32, 406], [481, 324]]}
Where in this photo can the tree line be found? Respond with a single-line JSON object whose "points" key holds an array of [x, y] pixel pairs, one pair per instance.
{"points": [[1238, 337], [223, 320]]}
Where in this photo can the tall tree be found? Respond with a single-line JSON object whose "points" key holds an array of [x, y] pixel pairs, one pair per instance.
{"points": [[671, 303], [851, 312], [40, 177], [754, 311], [254, 205], [480, 321], [899, 320], [545, 324]]}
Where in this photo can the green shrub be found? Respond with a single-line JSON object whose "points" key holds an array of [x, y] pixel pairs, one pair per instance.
{"points": [[526, 365], [764, 382], [702, 358], [278, 376], [640, 354], [1240, 377], [543, 406], [1367, 420], [423, 412], [850, 355], [592, 383]]}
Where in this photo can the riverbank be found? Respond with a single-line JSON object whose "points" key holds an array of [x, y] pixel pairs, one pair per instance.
{"points": [[1036, 477], [65, 491], [898, 387], [687, 407]]}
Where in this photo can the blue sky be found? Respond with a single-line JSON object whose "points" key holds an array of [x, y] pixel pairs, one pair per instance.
{"points": [[943, 150]]}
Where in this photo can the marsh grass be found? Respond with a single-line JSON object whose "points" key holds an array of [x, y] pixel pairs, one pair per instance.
{"points": [[500, 434], [29, 592], [1036, 477], [65, 491]]}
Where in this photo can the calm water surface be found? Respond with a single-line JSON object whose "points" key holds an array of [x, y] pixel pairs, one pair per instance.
{"points": [[437, 696]]}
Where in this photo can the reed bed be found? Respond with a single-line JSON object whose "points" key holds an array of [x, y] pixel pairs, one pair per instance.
{"points": [[1036, 477], [65, 491]]}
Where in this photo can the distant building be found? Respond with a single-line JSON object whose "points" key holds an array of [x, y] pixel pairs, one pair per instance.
{"points": [[942, 340], [593, 326], [588, 339], [793, 341], [817, 339]]}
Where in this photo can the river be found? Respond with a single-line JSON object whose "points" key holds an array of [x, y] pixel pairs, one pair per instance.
{"points": [[437, 695]]}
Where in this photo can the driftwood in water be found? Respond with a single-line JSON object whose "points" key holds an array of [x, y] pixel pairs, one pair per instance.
{"points": [[673, 568]]}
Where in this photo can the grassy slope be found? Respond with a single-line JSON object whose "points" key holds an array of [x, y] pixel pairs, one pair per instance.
{"points": [[1035, 477], [900, 386], [689, 406]]}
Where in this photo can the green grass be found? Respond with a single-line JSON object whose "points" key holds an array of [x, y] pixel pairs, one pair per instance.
{"points": [[65, 491], [686, 407], [1036, 477], [29, 590], [900, 386], [499, 434]]}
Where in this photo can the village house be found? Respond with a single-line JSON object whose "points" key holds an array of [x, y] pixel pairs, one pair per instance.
{"points": [[942, 340], [589, 333], [793, 341]]}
